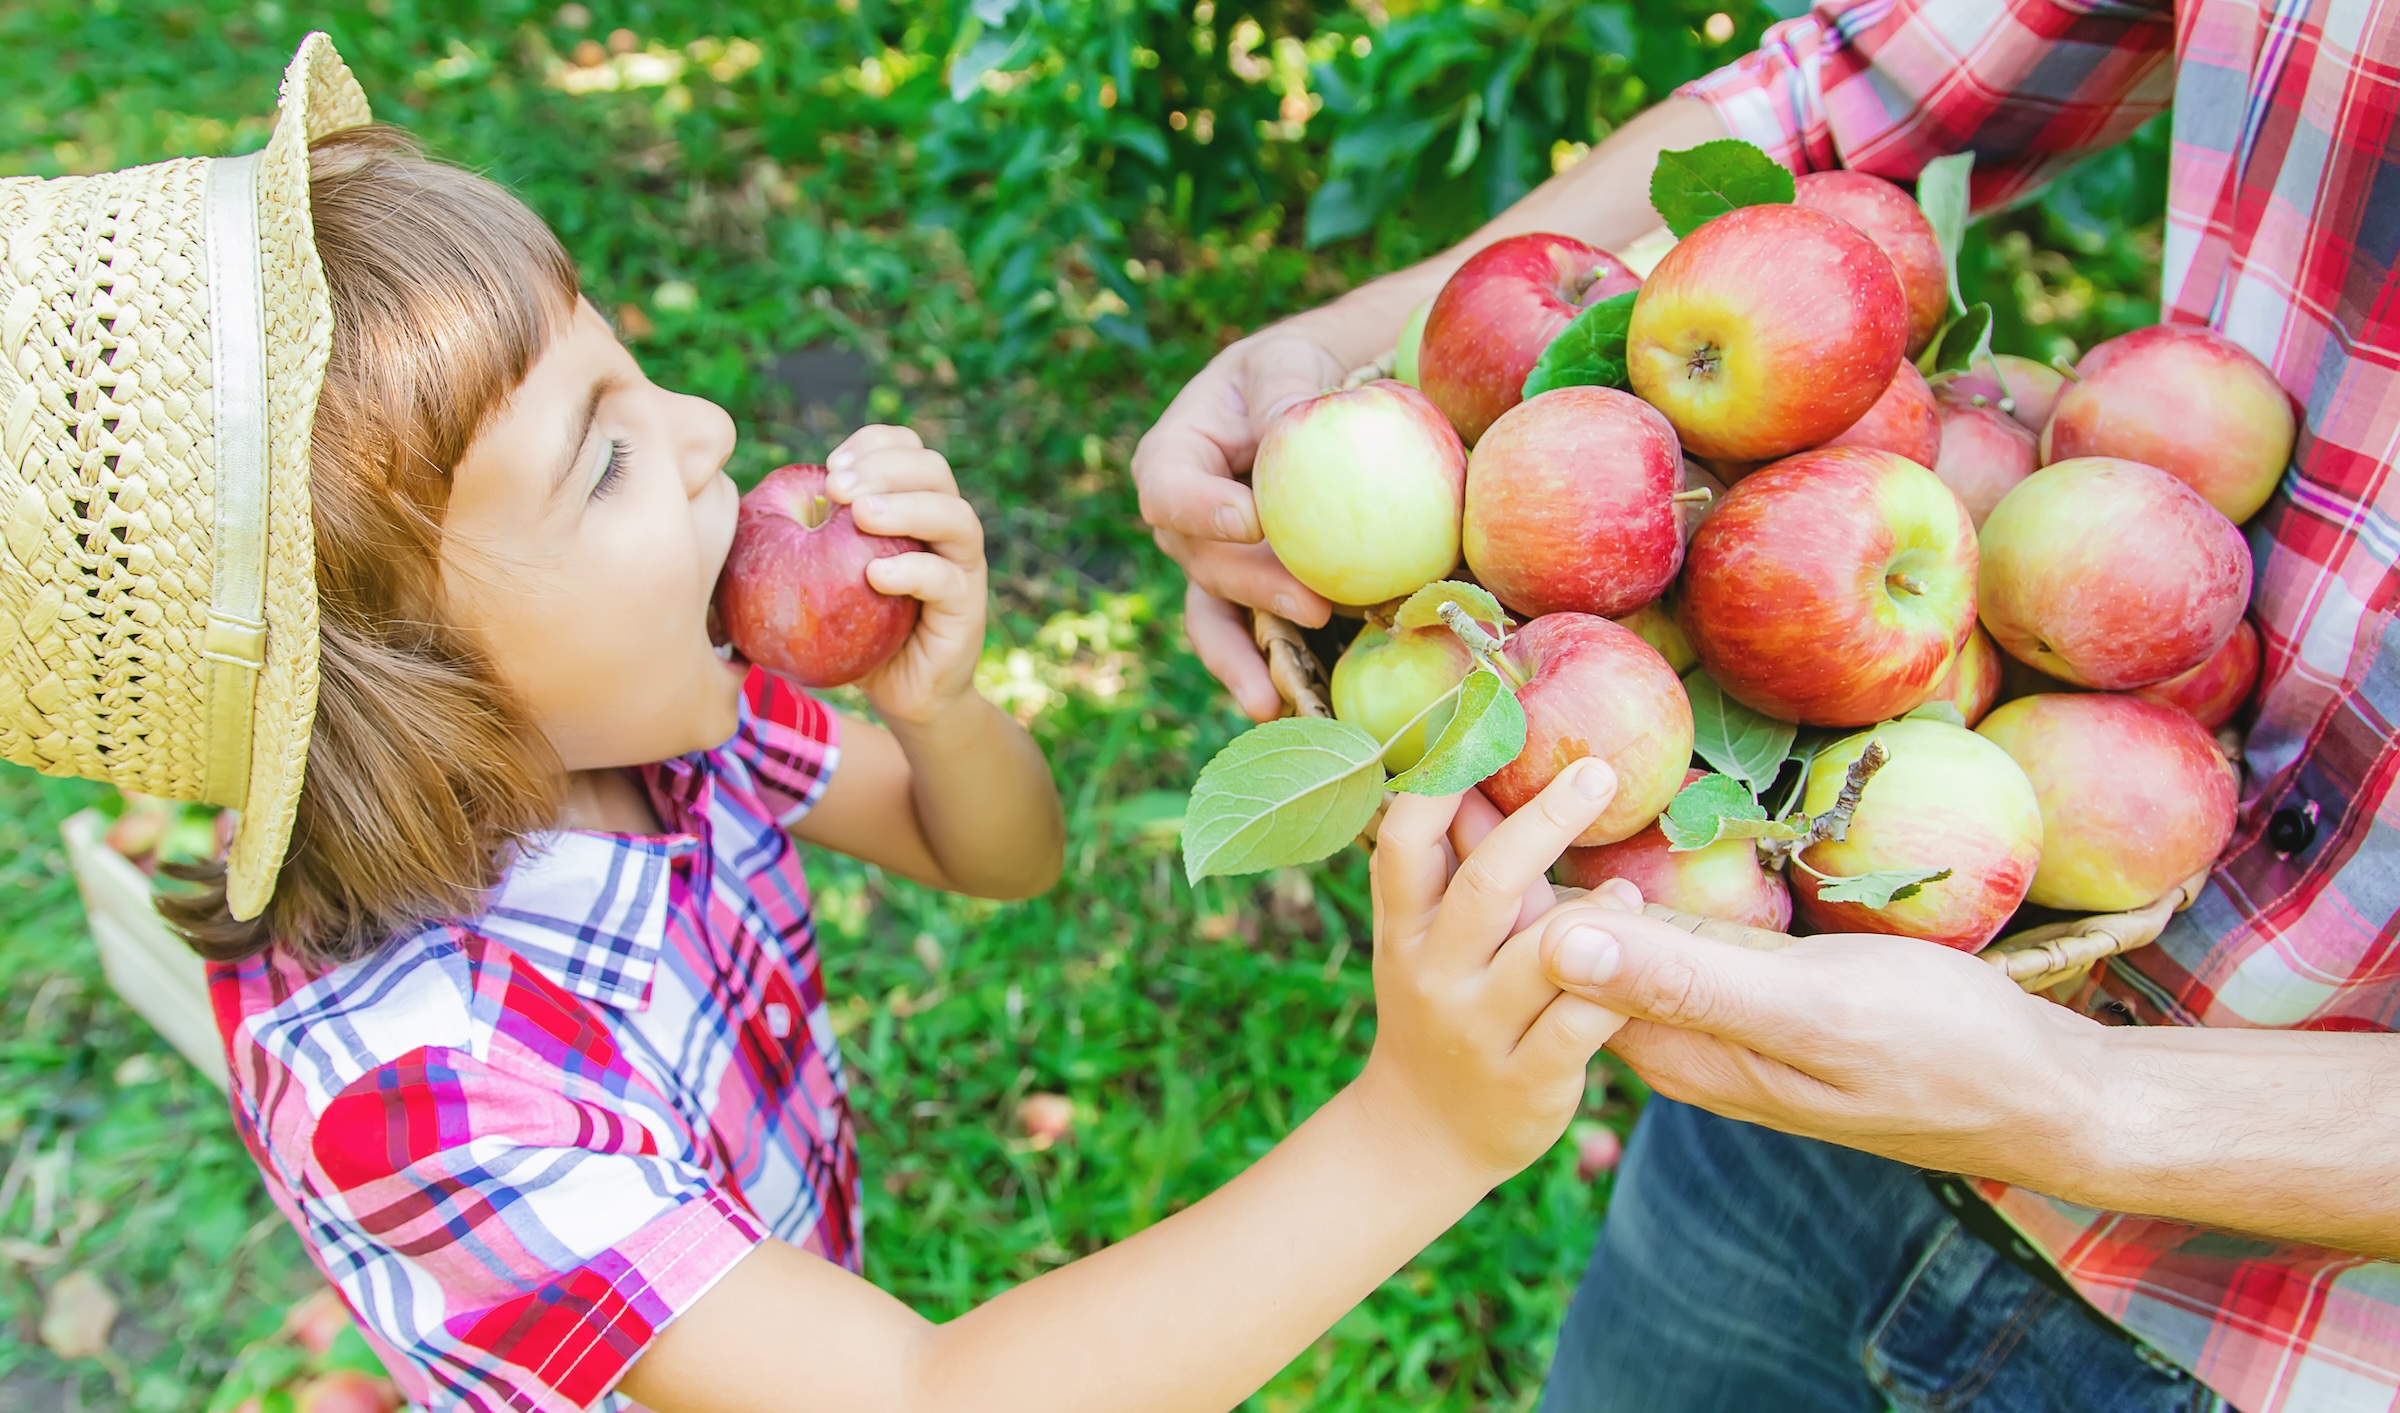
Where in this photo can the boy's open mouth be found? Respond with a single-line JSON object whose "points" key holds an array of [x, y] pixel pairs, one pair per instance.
{"points": [[718, 638]]}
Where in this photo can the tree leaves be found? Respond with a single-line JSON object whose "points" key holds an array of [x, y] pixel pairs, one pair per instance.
{"points": [[1486, 732], [1288, 792], [1942, 195], [1698, 184], [1962, 343], [1588, 352], [1880, 889], [1423, 609], [1734, 739], [1716, 807]]}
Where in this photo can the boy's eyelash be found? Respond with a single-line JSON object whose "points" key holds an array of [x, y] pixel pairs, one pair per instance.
{"points": [[618, 454]]}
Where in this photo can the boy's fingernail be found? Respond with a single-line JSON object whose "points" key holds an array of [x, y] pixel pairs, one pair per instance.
{"points": [[840, 459], [1586, 956], [1229, 523], [1286, 606], [841, 481], [1593, 777]]}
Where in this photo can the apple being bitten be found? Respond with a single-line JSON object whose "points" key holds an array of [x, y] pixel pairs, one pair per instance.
{"points": [[794, 596], [1897, 224], [1571, 504], [1831, 588], [1749, 358], [1591, 688], [1498, 311], [1720, 880], [1359, 492], [1904, 421]]}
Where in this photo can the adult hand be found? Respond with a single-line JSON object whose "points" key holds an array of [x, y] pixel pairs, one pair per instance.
{"points": [[1916, 1052], [1186, 469]]}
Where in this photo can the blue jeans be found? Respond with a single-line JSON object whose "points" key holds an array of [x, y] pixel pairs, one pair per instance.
{"points": [[1742, 1269]]}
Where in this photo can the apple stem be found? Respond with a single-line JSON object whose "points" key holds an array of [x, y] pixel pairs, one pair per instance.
{"points": [[1697, 495], [1483, 645], [2059, 362], [1833, 826], [1906, 583]]}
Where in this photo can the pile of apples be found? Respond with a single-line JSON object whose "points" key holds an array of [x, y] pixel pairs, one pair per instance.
{"points": [[2019, 589]]}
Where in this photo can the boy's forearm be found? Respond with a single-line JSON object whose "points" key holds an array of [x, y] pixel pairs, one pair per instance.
{"points": [[984, 800], [1603, 200]]}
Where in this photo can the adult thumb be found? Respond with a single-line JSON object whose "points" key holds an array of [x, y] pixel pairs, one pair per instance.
{"points": [[1639, 966]]}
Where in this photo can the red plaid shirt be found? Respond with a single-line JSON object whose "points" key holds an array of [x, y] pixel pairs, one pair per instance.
{"points": [[2282, 227], [521, 1144]]}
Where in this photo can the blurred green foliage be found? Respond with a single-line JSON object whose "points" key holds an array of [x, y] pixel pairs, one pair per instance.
{"points": [[1017, 224]]}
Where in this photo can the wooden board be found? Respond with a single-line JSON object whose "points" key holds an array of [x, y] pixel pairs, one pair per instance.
{"points": [[163, 980]]}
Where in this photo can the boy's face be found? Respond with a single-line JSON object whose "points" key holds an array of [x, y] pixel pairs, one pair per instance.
{"points": [[585, 530]]}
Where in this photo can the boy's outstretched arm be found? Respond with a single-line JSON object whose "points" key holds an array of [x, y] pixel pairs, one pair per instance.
{"points": [[1477, 1067]]}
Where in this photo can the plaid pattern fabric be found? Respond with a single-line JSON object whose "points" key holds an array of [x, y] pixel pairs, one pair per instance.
{"points": [[521, 1144], [2283, 225]]}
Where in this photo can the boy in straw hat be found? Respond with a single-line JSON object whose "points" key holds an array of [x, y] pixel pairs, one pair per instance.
{"points": [[327, 499]]}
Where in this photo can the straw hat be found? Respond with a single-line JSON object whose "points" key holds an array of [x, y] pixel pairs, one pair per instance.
{"points": [[163, 335]]}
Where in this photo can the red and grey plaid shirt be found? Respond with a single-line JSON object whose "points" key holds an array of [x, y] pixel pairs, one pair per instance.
{"points": [[521, 1144], [2283, 222]]}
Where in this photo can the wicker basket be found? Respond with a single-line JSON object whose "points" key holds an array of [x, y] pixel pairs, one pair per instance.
{"points": [[164, 982]]}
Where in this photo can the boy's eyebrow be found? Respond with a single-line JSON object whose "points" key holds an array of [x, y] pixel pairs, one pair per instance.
{"points": [[582, 429]]}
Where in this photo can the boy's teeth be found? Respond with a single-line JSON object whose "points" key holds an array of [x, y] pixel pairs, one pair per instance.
{"points": [[724, 652]]}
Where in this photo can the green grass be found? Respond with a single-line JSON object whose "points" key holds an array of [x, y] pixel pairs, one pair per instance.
{"points": [[815, 199]]}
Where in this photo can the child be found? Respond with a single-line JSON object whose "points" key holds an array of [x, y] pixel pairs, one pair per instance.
{"points": [[525, 1023]]}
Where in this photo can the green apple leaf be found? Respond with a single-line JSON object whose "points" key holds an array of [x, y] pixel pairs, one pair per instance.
{"points": [[1692, 187], [1423, 609], [1588, 352], [1716, 807], [1881, 888], [1942, 195], [1734, 739], [1288, 792], [1486, 732], [1962, 343], [1940, 711]]}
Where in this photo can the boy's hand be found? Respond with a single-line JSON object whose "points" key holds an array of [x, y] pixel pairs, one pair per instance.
{"points": [[894, 485], [1478, 1053]]}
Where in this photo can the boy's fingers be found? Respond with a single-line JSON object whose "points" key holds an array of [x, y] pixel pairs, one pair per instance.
{"points": [[929, 577], [1518, 981], [1569, 1031], [867, 439], [1411, 865], [892, 468], [936, 517], [1482, 900]]}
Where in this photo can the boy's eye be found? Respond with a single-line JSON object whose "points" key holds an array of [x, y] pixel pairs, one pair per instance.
{"points": [[619, 452]]}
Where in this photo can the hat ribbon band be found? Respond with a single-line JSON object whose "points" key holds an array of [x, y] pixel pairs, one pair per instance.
{"points": [[234, 643]]}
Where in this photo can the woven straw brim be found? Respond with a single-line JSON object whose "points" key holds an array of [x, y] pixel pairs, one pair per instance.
{"points": [[108, 474]]}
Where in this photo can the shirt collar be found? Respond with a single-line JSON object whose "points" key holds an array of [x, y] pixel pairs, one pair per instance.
{"points": [[589, 910]]}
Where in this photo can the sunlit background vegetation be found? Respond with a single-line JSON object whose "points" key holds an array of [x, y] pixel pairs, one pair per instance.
{"points": [[1017, 224]]}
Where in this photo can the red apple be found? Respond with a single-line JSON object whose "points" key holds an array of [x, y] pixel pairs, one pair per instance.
{"points": [[2216, 689], [1832, 587], [1945, 798], [1046, 1119], [1972, 682], [1902, 421], [1383, 680], [315, 1322], [1491, 321], [1767, 330], [794, 595], [2186, 400], [1984, 455], [1653, 624], [2135, 796], [1723, 880], [2030, 392], [1893, 220], [2110, 574], [1597, 1151], [1359, 492], [347, 1391], [1591, 688], [1571, 504]]}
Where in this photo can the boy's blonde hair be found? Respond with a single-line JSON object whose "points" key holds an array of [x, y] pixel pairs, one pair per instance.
{"points": [[422, 769]]}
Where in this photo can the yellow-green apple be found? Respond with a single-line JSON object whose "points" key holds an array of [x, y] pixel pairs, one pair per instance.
{"points": [[1893, 220], [1653, 624], [1902, 421], [1571, 504], [1359, 492], [1499, 310], [1591, 688], [1972, 681], [794, 596], [2110, 574], [2135, 796], [1831, 588], [1767, 330], [1945, 798], [1984, 455], [1412, 336], [1722, 880], [2186, 400], [2216, 689], [2032, 388], [1383, 679]]}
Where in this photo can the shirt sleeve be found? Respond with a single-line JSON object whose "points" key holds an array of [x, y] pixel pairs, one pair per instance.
{"points": [[1883, 86], [789, 741], [520, 1247]]}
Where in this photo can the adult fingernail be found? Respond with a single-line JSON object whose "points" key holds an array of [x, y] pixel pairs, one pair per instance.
{"points": [[1593, 777], [1586, 956], [1229, 524]]}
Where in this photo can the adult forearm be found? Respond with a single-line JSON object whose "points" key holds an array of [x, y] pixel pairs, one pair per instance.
{"points": [[2286, 1134], [1603, 199], [984, 801]]}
